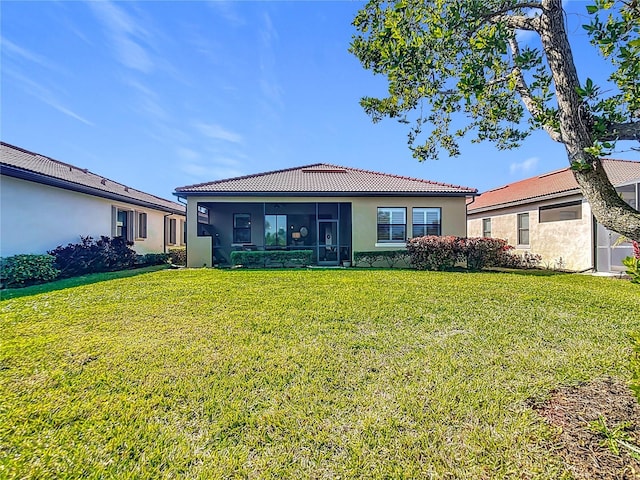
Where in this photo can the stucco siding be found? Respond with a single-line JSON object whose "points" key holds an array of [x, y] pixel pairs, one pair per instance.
{"points": [[566, 244], [36, 218]]}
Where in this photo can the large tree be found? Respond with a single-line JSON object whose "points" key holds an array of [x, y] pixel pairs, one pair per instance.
{"points": [[445, 58]]}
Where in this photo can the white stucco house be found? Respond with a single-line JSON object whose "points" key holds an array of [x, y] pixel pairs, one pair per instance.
{"points": [[45, 203], [548, 215]]}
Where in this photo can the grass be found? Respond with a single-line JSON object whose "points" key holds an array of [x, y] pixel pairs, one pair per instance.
{"points": [[301, 373]]}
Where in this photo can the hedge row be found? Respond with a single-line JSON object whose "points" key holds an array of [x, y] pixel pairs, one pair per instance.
{"points": [[388, 258], [75, 259], [444, 253], [272, 258]]}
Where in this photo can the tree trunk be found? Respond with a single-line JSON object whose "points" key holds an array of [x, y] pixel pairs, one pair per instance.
{"points": [[607, 206]]}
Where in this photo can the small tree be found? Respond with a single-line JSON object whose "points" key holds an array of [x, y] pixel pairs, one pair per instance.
{"points": [[462, 57]]}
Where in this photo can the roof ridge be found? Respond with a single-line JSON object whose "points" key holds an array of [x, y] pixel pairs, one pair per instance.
{"points": [[253, 175], [35, 154], [102, 178], [332, 166], [403, 177]]}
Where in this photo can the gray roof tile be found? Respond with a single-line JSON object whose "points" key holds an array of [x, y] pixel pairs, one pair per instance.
{"points": [[325, 178], [73, 176]]}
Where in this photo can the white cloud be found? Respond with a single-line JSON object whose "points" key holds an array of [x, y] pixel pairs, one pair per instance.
{"points": [[526, 166], [217, 132], [16, 51], [228, 12], [124, 31], [45, 95]]}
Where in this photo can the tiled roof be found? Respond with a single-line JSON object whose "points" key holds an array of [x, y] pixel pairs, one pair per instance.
{"points": [[557, 183], [324, 178], [19, 162]]}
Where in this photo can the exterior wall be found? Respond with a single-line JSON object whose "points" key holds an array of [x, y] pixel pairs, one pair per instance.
{"points": [[364, 219], [36, 218], [566, 244], [365, 213]]}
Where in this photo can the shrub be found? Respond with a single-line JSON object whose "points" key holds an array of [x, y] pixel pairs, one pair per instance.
{"points": [[152, 259], [526, 260], [435, 253], [483, 252], [25, 270], [633, 264], [391, 257], [94, 256], [178, 256], [272, 258]]}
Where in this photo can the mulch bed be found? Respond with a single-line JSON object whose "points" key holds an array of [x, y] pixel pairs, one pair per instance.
{"points": [[573, 409]]}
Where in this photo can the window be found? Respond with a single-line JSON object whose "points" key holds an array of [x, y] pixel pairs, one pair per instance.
{"points": [[523, 229], [275, 230], [558, 213], [392, 224], [122, 223], [183, 228], [171, 234], [142, 224], [204, 228], [426, 221], [486, 227], [241, 228]]}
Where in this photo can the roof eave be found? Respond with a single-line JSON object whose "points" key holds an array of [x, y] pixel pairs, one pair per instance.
{"points": [[76, 187], [183, 194], [524, 201]]}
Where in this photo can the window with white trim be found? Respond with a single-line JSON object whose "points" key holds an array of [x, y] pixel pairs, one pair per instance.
{"points": [[141, 226], [523, 229], [561, 212], [426, 221], [486, 227], [392, 224]]}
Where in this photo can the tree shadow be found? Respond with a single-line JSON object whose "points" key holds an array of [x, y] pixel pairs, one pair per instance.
{"points": [[65, 283]]}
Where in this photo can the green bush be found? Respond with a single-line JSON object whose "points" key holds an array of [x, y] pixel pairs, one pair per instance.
{"points": [[25, 270], [435, 253], [633, 264], [178, 256], [94, 256], [483, 252], [272, 258], [390, 257], [635, 365], [149, 259]]}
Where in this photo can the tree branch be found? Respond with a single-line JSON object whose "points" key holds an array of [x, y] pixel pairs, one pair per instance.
{"points": [[622, 131], [508, 8], [517, 22], [525, 93]]}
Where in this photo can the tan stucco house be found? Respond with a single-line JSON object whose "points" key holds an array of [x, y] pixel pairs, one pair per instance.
{"points": [[331, 210], [548, 215], [46, 203]]}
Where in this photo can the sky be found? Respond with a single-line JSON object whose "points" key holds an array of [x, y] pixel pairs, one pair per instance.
{"points": [[158, 95]]}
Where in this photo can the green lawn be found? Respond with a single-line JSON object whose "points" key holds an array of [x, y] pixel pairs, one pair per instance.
{"points": [[301, 373]]}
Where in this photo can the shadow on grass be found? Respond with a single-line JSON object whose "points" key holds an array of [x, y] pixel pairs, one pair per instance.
{"points": [[76, 281]]}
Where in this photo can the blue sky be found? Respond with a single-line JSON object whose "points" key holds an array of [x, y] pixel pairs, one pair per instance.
{"points": [[158, 95]]}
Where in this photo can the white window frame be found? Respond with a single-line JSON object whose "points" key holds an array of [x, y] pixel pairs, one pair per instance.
{"points": [[391, 241], [425, 211], [485, 230], [520, 229]]}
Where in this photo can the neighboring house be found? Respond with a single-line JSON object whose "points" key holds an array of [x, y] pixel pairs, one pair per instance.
{"points": [[548, 215], [46, 203], [328, 209]]}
